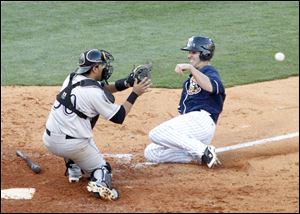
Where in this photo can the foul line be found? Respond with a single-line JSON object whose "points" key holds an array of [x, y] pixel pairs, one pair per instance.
{"points": [[257, 142], [126, 158]]}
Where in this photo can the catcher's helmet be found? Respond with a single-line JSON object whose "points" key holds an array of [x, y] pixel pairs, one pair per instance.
{"points": [[204, 45], [92, 57]]}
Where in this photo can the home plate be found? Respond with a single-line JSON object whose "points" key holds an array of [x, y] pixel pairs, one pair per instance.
{"points": [[17, 193]]}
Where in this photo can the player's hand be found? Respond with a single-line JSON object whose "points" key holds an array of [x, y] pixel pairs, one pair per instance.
{"points": [[130, 80], [142, 87], [181, 68]]}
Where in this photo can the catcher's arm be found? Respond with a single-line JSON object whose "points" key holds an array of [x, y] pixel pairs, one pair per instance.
{"points": [[137, 90], [120, 84], [111, 88], [139, 73]]}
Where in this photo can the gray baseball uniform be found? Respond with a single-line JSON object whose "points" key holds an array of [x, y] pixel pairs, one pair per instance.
{"points": [[71, 136]]}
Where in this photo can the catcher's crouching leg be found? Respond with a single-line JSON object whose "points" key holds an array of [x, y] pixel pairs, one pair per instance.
{"points": [[101, 184]]}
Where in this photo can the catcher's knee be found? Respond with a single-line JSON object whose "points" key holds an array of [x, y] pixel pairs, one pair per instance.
{"points": [[103, 176]]}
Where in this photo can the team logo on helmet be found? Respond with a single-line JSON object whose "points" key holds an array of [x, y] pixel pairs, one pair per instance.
{"points": [[190, 42]]}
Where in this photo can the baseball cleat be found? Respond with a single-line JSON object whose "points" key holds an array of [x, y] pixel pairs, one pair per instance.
{"points": [[102, 192], [74, 173], [210, 157], [74, 180]]}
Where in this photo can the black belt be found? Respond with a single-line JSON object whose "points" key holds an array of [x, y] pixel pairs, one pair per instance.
{"points": [[67, 136]]}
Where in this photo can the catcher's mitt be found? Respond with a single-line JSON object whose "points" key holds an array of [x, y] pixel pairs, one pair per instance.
{"points": [[142, 71]]}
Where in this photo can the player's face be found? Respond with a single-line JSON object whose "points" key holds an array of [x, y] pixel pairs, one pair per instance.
{"points": [[194, 57], [98, 71]]}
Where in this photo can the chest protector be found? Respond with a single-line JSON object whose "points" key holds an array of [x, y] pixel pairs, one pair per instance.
{"points": [[64, 97]]}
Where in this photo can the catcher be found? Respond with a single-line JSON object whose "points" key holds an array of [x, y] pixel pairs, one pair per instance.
{"points": [[84, 96], [187, 137]]}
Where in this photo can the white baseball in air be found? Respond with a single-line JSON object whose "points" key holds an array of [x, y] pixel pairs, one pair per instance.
{"points": [[279, 57]]}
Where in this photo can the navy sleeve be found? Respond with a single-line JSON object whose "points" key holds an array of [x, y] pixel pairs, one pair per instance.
{"points": [[215, 80], [217, 85]]}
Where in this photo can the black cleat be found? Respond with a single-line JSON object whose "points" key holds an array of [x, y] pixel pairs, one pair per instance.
{"points": [[210, 157]]}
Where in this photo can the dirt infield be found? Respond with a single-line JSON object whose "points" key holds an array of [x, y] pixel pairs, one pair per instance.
{"points": [[264, 178]]}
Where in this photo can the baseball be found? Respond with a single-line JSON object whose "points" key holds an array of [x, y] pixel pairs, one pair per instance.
{"points": [[279, 56]]}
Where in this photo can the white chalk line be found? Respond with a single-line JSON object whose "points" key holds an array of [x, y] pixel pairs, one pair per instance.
{"points": [[257, 142], [126, 158]]}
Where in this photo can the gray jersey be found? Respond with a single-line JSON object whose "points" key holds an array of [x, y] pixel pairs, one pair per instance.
{"points": [[90, 100]]}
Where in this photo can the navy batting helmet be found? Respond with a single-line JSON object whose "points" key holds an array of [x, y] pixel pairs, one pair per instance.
{"points": [[204, 45]]}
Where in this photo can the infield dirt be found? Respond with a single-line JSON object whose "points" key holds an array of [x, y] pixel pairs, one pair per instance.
{"points": [[263, 178]]}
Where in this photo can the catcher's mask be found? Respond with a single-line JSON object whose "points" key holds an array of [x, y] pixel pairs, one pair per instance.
{"points": [[93, 57], [204, 45]]}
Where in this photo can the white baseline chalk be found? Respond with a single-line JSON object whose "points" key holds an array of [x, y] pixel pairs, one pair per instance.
{"points": [[126, 158], [257, 142]]}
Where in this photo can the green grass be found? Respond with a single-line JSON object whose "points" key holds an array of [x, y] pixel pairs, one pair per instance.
{"points": [[41, 41]]}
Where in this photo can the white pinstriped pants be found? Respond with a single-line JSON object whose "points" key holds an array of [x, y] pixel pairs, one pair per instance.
{"points": [[182, 139]]}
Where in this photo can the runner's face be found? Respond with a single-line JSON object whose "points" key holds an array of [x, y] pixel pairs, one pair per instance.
{"points": [[193, 57]]}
